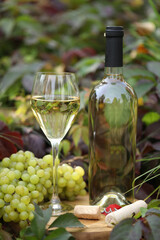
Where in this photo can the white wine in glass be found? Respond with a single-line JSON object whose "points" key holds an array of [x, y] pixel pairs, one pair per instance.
{"points": [[55, 102]]}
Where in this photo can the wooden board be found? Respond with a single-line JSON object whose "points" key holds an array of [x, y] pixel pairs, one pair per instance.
{"points": [[94, 229]]}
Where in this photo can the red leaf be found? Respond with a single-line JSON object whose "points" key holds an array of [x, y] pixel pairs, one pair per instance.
{"points": [[9, 141]]}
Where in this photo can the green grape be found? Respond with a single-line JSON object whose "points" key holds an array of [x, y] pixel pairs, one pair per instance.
{"points": [[79, 181], [16, 196], [59, 170], [64, 168], [26, 192], [62, 195], [59, 190], [20, 190], [43, 164], [6, 217], [69, 194], [35, 194], [44, 191], [10, 189], [4, 188], [39, 187], [67, 175], [13, 165], [19, 166], [23, 224], [21, 207], [8, 209], [75, 176], [13, 215], [23, 215], [40, 197], [1, 195], [25, 177], [48, 184], [2, 203], [40, 173], [71, 183], [7, 197], [79, 170], [30, 207], [82, 185], [31, 216], [20, 158], [70, 169], [28, 154], [32, 162], [14, 203], [25, 199], [47, 175], [82, 192], [11, 175], [31, 170], [31, 187], [17, 174], [72, 198], [4, 180], [76, 188], [35, 200], [34, 179], [50, 190], [6, 162], [21, 183], [42, 180], [62, 182], [37, 167], [48, 159], [13, 157]]}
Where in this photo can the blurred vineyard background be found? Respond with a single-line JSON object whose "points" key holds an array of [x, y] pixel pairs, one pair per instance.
{"points": [[68, 35]]}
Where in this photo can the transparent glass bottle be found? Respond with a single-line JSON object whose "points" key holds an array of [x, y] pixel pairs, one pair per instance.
{"points": [[112, 129]]}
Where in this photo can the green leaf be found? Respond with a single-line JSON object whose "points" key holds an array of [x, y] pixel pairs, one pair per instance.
{"points": [[76, 135], [85, 135], [154, 203], [150, 118], [59, 234], [154, 67], [65, 145], [67, 220], [126, 231], [153, 211], [143, 211], [142, 88], [137, 72], [7, 26], [47, 213], [38, 226], [38, 210], [88, 65], [17, 72], [154, 224]]}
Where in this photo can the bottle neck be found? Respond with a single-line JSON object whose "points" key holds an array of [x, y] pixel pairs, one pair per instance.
{"points": [[113, 73]]}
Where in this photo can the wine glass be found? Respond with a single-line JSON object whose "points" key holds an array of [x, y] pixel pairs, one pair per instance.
{"points": [[55, 102]]}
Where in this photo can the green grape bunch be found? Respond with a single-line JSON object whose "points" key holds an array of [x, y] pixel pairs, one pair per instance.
{"points": [[25, 180]]}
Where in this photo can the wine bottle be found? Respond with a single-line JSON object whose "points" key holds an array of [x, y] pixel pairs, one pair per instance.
{"points": [[112, 129]]}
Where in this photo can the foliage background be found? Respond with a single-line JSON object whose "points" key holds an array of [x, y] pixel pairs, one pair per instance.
{"points": [[67, 35]]}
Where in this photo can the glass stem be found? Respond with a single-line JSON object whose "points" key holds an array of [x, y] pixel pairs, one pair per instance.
{"points": [[55, 147]]}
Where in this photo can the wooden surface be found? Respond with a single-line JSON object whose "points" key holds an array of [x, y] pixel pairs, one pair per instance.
{"points": [[94, 229]]}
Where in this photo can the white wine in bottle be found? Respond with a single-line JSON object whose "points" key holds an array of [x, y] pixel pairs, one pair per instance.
{"points": [[112, 129]]}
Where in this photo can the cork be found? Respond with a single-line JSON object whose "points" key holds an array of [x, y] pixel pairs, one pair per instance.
{"points": [[87, 212]]}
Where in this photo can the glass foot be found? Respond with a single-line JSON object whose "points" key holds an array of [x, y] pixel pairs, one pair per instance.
{"points": [[112, 198], [58, 207]]}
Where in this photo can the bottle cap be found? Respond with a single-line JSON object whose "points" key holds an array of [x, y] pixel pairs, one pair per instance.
{"points": [[114, 46], [116, 31]]}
